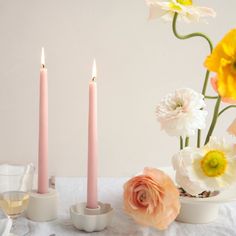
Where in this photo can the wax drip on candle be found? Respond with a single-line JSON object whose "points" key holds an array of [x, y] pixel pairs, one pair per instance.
{"points": [[94, 72]]}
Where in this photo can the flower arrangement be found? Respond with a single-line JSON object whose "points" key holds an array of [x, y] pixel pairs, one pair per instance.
{"points": [[208, 166]]}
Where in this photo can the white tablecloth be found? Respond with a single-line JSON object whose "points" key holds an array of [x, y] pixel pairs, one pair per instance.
{"points": [[73, 190]]}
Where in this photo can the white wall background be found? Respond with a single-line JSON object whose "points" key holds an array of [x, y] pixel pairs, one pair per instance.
{"points": [[138, 63]]}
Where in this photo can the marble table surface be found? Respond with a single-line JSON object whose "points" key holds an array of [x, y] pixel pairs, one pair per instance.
{"points": [[72, 190]]}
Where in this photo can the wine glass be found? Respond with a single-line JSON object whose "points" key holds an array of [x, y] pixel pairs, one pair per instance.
{"points": [[15, 184]]}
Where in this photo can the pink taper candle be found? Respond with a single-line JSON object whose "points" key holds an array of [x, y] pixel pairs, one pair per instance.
{"points": [[92, 202], [43, 130]]}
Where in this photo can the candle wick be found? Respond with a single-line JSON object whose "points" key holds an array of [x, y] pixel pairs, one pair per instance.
{"points": [[43, 66], [93, 79]]}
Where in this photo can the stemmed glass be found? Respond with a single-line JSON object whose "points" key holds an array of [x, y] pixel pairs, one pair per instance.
{"points": [[15, 184]]}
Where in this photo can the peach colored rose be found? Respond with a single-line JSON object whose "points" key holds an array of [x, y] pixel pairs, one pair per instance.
{"points": [[232, 128], [152, 199]]}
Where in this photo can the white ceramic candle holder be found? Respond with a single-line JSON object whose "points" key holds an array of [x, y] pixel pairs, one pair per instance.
{"points": [[42, 207], [91, 220]]}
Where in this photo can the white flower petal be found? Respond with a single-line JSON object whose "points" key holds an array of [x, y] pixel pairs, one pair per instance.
{"points": [[205, 11], [168, 16], [190, 175], [180, 114], [165, 10], [155, 12], [193, 188]]}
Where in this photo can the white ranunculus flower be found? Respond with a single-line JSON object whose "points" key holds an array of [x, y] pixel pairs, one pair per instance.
{"points": [[180, 113], [209, 168], [185, 8]]}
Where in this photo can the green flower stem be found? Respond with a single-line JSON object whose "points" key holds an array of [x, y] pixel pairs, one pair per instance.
{"points": [[225, 109], [205, 82], [181, 142], [214, 120], [204, 88], [197, 34], [211, 97], [186, 141], [199, 133]]}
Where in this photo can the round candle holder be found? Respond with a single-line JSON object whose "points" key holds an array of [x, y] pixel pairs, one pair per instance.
{"points": [[91, 220], [42, 207]]}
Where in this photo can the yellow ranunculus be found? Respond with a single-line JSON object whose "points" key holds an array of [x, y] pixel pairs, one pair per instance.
{"points": [[223, 62]]}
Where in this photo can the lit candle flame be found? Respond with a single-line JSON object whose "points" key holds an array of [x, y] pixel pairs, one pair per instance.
{"points": [[42, 58], [94, 73]]}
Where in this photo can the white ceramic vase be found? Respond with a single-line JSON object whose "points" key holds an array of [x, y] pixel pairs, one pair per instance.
{"points": [[201, 210], [204, 210], [197, 212]]}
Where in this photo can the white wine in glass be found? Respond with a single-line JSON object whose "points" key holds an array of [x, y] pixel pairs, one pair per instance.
{"points": [[15, 184], [14, 203]]}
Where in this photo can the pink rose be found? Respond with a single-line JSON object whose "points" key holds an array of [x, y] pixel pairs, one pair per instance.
{"points": [[152, 199]]}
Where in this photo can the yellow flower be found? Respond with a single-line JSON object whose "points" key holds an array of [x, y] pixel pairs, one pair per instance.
{"points": [[214, 163], [185, 8], [185, 2], [214, 83], [223, 62], [176, 5]]}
